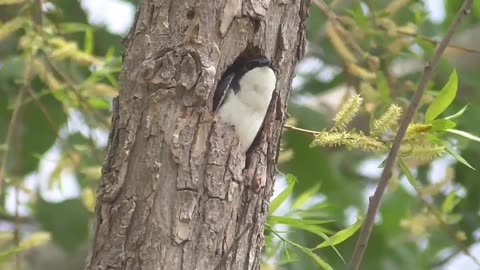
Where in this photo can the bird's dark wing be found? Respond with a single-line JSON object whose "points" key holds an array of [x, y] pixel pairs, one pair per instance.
{"points": [[223, 89]]}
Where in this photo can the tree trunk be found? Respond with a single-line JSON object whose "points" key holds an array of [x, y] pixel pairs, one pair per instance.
{"points": [[176, 190]]}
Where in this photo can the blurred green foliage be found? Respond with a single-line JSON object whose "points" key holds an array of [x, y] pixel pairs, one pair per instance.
{"points": [[58, 75]]}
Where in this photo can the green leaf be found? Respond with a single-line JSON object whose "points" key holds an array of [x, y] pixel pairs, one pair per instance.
{"points": [[295, 222], [453, 218], [341, 236], [11, 2], [457, 114], [99, 103], [444, 99], [305, 250], [450, 202], [89, 41], [67, 222], [383, 87], [282, 197], [464, 134], [442, 124], [406, 171], [288, 258], [305, 197], [74, 27], [458, 157], [306, 225], [316, 258]]}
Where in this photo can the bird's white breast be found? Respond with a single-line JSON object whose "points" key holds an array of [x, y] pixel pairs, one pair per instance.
{"points": [[246, 110]]}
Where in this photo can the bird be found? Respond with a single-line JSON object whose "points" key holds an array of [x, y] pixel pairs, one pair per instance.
{"points": [[243, 96]]}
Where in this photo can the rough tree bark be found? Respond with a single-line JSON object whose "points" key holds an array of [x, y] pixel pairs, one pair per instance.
{"points": [[176, 192]]}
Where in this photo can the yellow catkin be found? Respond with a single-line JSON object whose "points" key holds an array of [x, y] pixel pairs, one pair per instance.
{"points": [[103, 90], [88, 199], [11, 27], [10, 2], [409, 28], [399, 44], [46, 76], [351, 140], [422, 152], [338, 44], [414, 130], [389, 25], [395, 6], [35, 240], [360, 72], [388, 121], [69, 50], [347, 112]]}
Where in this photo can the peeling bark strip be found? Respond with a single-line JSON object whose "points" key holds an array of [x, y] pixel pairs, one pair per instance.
{"points": [[176, 192]]}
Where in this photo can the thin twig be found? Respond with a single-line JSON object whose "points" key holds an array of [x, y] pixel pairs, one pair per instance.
{"points": [[12, 126], [81, 100], [301, 130], [434, 42], [16, 232], [376, 199], [348, 21]]}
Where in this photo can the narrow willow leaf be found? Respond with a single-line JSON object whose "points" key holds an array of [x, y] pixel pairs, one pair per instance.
{"points": [[406, 171], [294, 221], [99, 103], [288, 258], [383, 87], [298, 224], [341, 236], [306, 197], [5, 238], [464, 134], [89, 41], [35, 240], [444, 99], [443, 124], [305, 250], [316, 258], [458, 157], [282, 197], [70, 27], [6, 256], [453, 218], [450, 202], [457, 114]]}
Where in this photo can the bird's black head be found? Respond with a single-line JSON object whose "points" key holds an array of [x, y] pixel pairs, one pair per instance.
{"points": [[233, 74], [242, 67], [258, 62]]}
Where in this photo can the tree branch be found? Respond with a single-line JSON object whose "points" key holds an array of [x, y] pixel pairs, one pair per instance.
{"points": [[376, 199]]}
